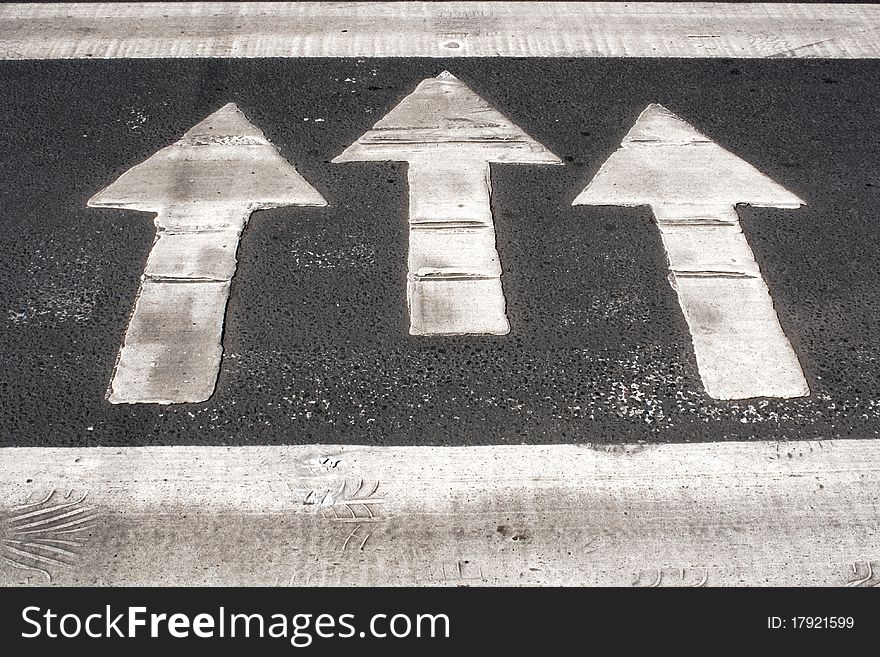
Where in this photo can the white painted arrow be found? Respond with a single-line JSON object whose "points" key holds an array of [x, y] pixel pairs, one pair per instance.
{"points": [[693, 186], [203, 188], [449, 135]]}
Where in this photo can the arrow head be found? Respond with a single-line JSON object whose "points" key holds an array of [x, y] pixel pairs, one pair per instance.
{"points": [[665, 161], [224, 160], [443, 116]]}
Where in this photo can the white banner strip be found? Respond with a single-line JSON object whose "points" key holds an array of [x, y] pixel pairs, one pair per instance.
{"points": [[801, 513], [438, 29]]}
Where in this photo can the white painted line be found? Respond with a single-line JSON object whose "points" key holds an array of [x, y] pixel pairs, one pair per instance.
{"points": [[438, 29], [203, 189], [725, 514], [449, 135], [708, 514], [693, 186]]}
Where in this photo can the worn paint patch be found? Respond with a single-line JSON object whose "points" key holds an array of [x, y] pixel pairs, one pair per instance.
{"points": [[693, 186], [47, 535], [204, 188], [449, 135]]}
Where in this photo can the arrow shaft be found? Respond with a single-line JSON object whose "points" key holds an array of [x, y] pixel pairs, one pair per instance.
{"points": [[172, 347], [454, 272], [740, 347]]}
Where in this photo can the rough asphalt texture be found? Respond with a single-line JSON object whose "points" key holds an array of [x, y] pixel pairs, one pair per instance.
{"points": [[316, 347]]}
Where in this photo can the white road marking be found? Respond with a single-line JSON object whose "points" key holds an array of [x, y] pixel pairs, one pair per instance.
{"points": [[449, 135], [438, 29], [693, 186], [714, 514], [203, 189], [735, 513]]}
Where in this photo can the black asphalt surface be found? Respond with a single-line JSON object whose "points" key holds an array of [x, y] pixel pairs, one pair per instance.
{"points": [[316, 344]]}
